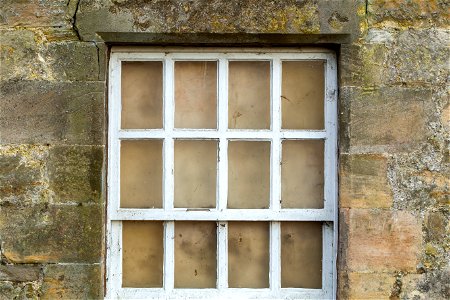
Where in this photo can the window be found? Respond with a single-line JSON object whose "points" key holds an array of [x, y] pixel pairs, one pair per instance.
{"points": [[222, 177]]}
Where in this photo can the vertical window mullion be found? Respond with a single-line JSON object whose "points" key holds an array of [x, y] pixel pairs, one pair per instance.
{"points": [[169, 262], [168, 176], [331, 171], [275, 245], [222, 240], [222, 256], [114, 229]]}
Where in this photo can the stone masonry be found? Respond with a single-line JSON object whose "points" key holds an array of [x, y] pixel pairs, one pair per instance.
{"points": [[394, 124]]}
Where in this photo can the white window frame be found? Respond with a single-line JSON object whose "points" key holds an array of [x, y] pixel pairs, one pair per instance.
{"points": [[220, 214]]}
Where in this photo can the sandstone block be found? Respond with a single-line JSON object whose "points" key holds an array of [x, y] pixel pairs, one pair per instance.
{"points": [[419, 57], [75, 173], [383, 241], [35, 13], [19, 273], [404, 13], [51, 234], [387, 118], [52, 112], [72, 282], [370, 285], [364, 181]]}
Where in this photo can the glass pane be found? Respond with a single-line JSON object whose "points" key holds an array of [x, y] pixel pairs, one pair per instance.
{"points": [[301, 255], [195, 173], [195, 254], [141, 174], [302, 174], [142, 101], [302, 91], [248, 254], [249, 94], [195, 94], [248, 174], [142, 254]]}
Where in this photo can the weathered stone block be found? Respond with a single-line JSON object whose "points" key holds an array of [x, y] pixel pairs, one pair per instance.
{"points": [[370, 285], [406, 13], [19, 56], [22, 179], [75, 173], [72, 282], [52, 112], [419, 57], [10, 290], [383, 241], [74, 61], [19, 273], [51, 234], [28, 54], [35, 13], [364, 181], [386, 118], [362, 65], [16, 178], [431, 285], [437, 226], [200, 16]]}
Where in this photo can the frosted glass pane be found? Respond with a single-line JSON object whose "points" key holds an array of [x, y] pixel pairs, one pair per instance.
{"points": [[195, 94], [142, 254], [302, 174], [141, 174], [248, 174], [195, 173], [142, 101], [195, 254], [248, 254], [301, 255], [249, 94], [302, 91]]}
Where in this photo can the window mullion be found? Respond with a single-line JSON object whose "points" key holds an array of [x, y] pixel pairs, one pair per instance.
{"points": [[168, 173], [275, 245], [330, 174], [222, 256], [222, 236], [169, 262]]}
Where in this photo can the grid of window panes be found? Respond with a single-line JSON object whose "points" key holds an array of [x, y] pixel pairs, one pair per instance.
{"points": [[222, 174]]}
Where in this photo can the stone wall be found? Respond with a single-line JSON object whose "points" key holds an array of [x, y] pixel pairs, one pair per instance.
{"points": [[394, 134]]}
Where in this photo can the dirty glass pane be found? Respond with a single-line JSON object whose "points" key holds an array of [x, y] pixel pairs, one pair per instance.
{"points": [[195, 94], [248, 254], [302, 174], [302, 95], [141, 174], [249, 94], [195, 254], [301, 255], [142, 101], [142, 254], [248, 174], [195, 173]]}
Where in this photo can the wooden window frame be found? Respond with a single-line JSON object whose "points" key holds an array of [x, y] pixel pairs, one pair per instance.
{"points": [[220, 214]]}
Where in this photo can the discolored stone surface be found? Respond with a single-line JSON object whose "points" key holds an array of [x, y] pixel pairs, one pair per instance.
{"points": [[51, 234], [370, 285], [51, 112], [75, 173], [364, 182], [404, 13], [387, 118], [383, 241], [72, 282], [19, 273]]}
